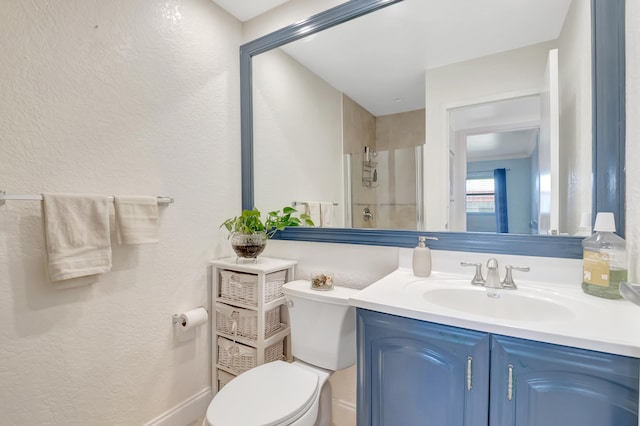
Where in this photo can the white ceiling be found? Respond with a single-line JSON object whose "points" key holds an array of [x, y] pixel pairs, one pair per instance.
{"points": [[499, 130], [502, 145], [508, 114], [245, 10]]}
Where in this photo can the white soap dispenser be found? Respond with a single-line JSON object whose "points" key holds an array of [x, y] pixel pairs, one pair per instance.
{"points": [[422, 258]]}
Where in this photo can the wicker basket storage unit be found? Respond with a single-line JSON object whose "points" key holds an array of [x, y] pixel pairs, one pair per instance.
{"points": [[239, 358], [244, 322], [243, 288], [224, 378]]}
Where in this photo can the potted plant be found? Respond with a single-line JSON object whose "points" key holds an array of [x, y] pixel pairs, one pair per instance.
{"points": [[249, 233]]}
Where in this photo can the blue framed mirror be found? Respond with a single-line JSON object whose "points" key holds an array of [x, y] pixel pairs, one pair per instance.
{"points": [[608, 122]]}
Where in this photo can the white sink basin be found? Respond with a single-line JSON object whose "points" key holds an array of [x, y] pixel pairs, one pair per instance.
{"points": [[510, 304]]}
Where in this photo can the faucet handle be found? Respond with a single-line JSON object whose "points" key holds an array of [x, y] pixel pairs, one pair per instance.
{"points": [[508, 282], [478, 279]]}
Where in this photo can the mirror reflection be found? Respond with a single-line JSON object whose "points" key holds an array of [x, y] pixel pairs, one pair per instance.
{"points": [[434, 116]]}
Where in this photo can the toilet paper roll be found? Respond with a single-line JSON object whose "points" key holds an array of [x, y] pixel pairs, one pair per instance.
{"points": [[193, 318]]}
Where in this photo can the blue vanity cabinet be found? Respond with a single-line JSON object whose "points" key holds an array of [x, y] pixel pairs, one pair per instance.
{"points": [[540, 384], [412, 372]]}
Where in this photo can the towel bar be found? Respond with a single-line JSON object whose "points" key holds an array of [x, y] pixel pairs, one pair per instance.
{"points": [[162, 200], [302, 203]]}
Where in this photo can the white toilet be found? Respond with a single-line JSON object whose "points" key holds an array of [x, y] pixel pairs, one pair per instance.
{"points": [[323, 340]]}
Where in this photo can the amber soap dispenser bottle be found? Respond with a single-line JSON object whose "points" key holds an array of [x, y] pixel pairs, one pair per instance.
{"points": [[604, 259]]}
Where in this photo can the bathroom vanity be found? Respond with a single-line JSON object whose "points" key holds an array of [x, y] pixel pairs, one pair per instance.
{"points": [[415, 370], [439, 351]]}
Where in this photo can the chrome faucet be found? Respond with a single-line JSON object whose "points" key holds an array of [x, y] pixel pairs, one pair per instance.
{"points": [[493, 276]]}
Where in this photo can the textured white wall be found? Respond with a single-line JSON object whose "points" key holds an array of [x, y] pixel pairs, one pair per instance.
{"points": [[115, 97]]}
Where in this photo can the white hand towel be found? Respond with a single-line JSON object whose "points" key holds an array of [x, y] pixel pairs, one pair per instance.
{"points": [[77, 234], [312, 208], [326, 214], [136, 219]]}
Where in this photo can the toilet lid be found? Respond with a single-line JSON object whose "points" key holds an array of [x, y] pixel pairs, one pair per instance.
{"points": [[268, 395]]}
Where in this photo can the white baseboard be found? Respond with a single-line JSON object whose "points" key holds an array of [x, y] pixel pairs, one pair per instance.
{"points": [[186, 412], [194, 408], [343, 413]]}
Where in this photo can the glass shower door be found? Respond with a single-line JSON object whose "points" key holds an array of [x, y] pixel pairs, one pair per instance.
{"points": [[385, 189]]}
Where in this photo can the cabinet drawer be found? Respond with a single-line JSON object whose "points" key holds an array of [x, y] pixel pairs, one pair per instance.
{"points": [[232, 320], [224, 378], [239, 358], [241, 287]]}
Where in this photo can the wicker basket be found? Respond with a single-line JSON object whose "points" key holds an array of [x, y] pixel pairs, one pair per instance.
{"points": [[244, 287], [239, 358], [224, 378], [244, 322]]}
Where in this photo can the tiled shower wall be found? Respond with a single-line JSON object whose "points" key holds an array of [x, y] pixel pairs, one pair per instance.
{"points": [[392, 199]]}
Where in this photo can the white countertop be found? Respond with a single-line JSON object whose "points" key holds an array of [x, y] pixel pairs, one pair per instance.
{"points": [[592, 323]]}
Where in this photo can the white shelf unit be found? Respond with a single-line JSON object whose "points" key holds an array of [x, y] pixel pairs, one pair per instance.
{"points": [[261, 301]]}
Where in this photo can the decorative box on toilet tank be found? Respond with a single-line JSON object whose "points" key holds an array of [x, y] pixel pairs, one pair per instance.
{"points": [[251, 322]]}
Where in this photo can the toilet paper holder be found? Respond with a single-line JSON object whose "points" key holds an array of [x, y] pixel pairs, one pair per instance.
{"points": [[178, 319], [175, 319]]}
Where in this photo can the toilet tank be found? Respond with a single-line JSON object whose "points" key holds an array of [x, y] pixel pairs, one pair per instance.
{"points": [[323, 325]]}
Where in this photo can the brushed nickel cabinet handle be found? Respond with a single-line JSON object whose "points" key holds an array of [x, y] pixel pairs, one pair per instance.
{"points": [[510, 383]]}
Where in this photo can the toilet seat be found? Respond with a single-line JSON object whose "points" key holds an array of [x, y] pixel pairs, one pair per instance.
{"points": [[277, 393]]}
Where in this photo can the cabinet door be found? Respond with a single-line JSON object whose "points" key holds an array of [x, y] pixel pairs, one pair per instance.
{"points": [[555, 385], [418, 373]]}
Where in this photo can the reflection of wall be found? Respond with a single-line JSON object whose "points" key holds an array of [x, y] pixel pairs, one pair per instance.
{"points": [[402, 130], [297, 122], [575, 116], [457, 181], [359, 130], [359, 127], [393, 200], [535, 190], [488, 78], [519, 195], [548, 150]]}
